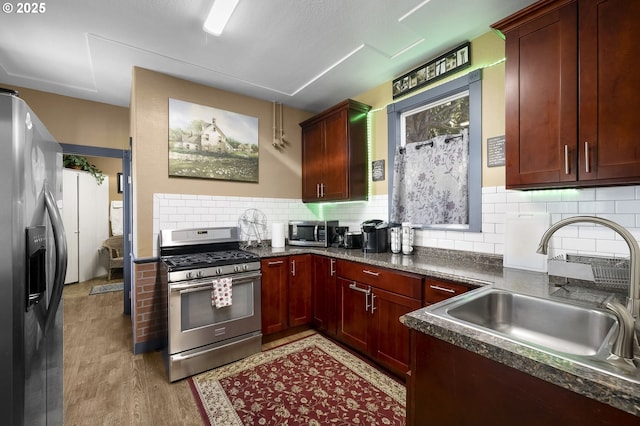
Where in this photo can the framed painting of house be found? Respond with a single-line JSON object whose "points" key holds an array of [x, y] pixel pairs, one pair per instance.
{"points": [[211, 143]]}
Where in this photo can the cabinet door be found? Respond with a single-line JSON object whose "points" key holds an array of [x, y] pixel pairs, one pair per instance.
{"points": [[324, 295], [390, 338], [275, 274], [336, 167], [312, 160], [609, 87], [353, 315], [541, 100], [299, 290]]}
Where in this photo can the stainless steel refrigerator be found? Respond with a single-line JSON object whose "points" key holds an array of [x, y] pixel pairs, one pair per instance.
{"points": [[32, 268]]}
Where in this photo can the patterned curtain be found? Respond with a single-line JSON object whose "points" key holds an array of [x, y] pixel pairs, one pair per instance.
{"points": [[430, 181]]}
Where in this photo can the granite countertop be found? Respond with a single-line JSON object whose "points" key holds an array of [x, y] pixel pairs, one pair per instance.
{"points": [[486, 270]]}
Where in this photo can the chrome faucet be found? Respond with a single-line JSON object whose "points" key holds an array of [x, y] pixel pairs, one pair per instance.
{"points": [[628, 324]]}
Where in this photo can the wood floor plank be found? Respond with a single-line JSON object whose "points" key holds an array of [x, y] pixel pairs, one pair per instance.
{"points": [[104, 382]]}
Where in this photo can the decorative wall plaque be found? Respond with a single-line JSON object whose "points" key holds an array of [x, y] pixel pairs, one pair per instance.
{"points": [[495, 151], [448, 63], [377, 170]]}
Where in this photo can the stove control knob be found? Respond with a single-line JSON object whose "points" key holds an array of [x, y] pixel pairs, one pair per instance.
{"points": [[189, 275], [218, 271], [245, 267], [199, 274], [236, 268]]}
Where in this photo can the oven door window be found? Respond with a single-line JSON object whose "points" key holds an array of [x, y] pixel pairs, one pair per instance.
{"points": [[197, 310]]}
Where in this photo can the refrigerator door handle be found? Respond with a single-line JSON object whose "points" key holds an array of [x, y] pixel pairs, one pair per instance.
{"points": [[60, 243]]}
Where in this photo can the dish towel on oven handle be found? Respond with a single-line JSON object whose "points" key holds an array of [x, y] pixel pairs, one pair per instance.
{"points": [[221, 292]]}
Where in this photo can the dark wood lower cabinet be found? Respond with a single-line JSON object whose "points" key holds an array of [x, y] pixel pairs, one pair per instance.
{"points": [[275, 274], [300, 290], [368, 320], [449, 385], [324, 294], [390, 340], [353, 315]]}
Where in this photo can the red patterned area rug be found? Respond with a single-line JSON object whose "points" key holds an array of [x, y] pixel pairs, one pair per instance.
{"points": [[311, 381]]}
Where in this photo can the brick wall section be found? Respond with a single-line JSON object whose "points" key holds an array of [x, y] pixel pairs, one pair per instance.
{"points": [[150, 306]]}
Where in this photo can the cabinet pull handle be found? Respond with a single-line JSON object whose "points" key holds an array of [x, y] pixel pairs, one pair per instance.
{"points": [[322, 190], [368, 272], [586, 157], [437, 287], [279, 262], [373, 308], [367, 292], [332, 270], [566, 159], [293, 268], [317, 190]]}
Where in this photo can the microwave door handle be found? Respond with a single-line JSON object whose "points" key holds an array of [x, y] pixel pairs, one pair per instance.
{"points": [[60, 243], [315, 233]]}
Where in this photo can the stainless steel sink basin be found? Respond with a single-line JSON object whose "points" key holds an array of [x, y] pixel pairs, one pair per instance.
{"points": [[558, 326]]}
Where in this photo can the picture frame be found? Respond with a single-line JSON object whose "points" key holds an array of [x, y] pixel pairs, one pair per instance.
{"points": [[211, 143], [446, 64]]}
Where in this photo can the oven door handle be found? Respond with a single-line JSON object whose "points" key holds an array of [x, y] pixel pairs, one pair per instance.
{"points": [[206, 283]]}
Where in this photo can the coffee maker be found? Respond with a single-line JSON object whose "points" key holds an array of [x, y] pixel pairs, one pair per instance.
{"points": [[374, 236]]}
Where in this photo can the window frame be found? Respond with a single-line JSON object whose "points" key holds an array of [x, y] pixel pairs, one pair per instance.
{"points": [[471, 82]]}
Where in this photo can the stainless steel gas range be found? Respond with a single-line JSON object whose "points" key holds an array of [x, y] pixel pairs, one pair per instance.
{"points": [[203, 333]]}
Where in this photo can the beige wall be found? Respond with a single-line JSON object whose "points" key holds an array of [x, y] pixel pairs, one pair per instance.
{"points": [[279, 170], [485, 50], [77, 121]]}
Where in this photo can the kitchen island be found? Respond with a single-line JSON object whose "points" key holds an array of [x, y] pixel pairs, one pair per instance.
{"points": [[622, 393]]}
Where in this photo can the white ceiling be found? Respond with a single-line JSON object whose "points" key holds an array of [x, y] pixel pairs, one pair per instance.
{"points": [[276, 50]]}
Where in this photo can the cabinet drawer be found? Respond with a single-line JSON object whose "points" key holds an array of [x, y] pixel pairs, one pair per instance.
{"points": [[403, 283], [436, 290]]}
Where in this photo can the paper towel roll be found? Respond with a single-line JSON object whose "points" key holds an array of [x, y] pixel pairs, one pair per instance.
{"points": [[277, 235]]}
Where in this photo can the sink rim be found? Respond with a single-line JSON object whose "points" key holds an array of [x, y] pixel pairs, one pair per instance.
{"points": [[601, 362], [537, 334]]}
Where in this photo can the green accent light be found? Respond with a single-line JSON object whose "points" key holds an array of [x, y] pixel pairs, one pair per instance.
{"points": [[369, 153]]}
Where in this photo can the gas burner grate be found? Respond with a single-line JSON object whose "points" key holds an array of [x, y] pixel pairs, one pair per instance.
{"points": [[208, 259]]}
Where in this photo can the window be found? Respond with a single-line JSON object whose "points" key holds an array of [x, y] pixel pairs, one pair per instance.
{"points": [[435, 156]]}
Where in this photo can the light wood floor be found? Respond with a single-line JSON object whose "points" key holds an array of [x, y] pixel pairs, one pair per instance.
{"points": [[104, 383]]}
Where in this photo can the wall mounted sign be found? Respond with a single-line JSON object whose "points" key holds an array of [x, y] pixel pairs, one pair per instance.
{"points": [[377, 170], [448, 63], [211, 143], [495, 151]]}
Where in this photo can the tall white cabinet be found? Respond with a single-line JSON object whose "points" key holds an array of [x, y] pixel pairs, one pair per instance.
{"points": [[85, 213]]}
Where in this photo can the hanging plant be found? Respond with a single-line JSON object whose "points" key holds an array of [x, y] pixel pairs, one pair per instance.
{"points": [[78, 162]]}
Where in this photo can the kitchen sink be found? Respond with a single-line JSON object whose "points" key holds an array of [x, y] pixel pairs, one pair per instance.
{"points": [[560, 327]]}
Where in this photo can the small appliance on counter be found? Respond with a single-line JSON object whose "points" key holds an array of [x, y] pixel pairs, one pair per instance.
{"points": [[353, 240], [312, 233], [338, 238], [374, 236]]}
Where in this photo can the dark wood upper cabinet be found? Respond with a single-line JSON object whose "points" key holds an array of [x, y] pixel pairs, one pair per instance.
{"points": [[570, 86], [334, 154]]}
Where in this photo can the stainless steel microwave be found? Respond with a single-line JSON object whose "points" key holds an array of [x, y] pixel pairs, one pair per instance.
{"points": [[313, 233]]}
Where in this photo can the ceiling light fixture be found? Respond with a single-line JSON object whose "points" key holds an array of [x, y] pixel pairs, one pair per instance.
{"points": [[219, 15], [409, 13]]}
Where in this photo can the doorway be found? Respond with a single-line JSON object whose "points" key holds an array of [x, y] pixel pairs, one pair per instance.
{"points": [[125, 157]]}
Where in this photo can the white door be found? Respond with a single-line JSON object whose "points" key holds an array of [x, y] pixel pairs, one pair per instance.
{"points": [[86, 209], [70, 219]]}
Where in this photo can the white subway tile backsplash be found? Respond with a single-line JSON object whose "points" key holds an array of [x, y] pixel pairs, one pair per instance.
{"points": [[620, 204]]}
